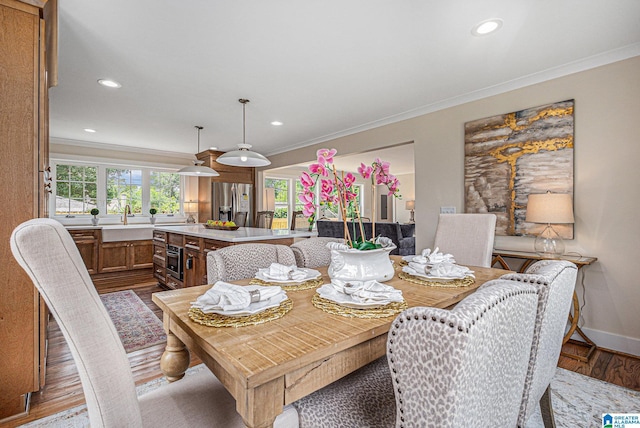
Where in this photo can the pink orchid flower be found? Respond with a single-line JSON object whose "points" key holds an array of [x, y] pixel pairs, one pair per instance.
{"points": [[308, 210], [326, 187], [319, 169], [325, 156], [306, 198], [349, 179], [306, 180], [365, 170]]}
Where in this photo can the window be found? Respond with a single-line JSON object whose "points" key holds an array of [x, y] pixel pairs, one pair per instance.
{"points": [[124, 187], [164, 188], [299, 191], [287, 191], [76, 189], [80, 187], [281, 190]]}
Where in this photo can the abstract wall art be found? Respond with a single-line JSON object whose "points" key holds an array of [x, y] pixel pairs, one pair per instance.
{"points": [[511, 155]]}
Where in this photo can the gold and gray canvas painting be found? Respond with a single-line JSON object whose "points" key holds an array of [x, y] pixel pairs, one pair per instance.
{"points": [[509, 156]]}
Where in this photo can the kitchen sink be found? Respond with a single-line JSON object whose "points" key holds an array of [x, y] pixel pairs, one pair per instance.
{"points": [[130, 232]]}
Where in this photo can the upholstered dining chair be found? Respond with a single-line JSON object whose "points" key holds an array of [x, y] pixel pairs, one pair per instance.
{"points": [[240, 218], [452, 368], [264, 219], [243, 260], [555, 280], [313, 252], [468, 237], [48, 254]]}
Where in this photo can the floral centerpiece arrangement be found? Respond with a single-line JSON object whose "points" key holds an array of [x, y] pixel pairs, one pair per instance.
{"points": [[337, 189]]}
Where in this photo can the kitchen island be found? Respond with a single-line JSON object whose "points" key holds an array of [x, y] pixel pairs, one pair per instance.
{"points": [[241, 235], [180, 252]]}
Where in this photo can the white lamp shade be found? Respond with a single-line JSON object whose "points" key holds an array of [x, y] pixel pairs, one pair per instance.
{"points": [[550, 208], [243, 157], [190, 205], [410, 205], [198, 171]]}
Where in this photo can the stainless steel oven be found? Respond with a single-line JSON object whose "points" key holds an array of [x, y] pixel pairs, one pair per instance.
{"points": [[174, 261]]}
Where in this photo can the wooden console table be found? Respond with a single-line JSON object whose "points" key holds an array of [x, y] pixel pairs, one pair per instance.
{"points": [[529, 258]]}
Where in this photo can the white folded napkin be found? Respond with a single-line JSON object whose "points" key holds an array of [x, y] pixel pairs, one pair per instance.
{"points": [[283, 272], [368, 291], [229, 297], [438, 270], [450, 270], [421, 268], [436, 257]]}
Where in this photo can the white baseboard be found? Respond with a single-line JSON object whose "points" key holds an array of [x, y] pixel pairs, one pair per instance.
{"points": [[615, 342]]}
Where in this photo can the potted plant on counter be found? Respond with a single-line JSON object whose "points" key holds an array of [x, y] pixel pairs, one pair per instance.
{"points": [[153, 212], [94, 212]]}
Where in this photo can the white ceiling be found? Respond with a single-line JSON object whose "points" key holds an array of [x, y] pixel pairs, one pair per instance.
{"points": [[325, 68]]}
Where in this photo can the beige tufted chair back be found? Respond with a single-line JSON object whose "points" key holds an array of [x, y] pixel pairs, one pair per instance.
{"points": [[468, 237], [243, 261], [313, 252]]}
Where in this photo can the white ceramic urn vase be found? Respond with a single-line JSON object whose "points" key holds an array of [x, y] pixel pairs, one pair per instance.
{"points": [[349, 264]]}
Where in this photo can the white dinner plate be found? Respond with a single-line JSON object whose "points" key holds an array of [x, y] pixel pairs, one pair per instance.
{"points": [[311, 274], [328, 291], [254, 308]]}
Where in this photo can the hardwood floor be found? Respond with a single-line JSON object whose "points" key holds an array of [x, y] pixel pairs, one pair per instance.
{"points": [[63, 389], [609, 366]]}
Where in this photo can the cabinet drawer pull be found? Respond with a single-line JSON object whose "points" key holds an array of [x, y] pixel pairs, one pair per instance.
{"points": [[158, 271]]}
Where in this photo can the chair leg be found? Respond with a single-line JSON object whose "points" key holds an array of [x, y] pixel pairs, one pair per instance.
{"points": [[546, 408]]}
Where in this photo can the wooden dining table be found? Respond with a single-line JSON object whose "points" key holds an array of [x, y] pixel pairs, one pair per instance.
{"points": [[267, 366]]}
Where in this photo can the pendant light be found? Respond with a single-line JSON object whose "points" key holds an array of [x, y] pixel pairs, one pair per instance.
{"points": [[198, 169], [243, 156]]}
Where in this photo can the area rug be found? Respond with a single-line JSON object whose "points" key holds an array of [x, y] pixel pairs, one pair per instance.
{"points": [[578, 402], [137, 325]]}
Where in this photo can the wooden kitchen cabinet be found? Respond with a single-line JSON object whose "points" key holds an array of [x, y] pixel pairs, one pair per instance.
{"points": [[160, 257], [87, 241], [125, 255], [195, 263], [23, 171]]}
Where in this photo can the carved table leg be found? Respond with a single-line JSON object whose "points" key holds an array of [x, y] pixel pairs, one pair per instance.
{"points": [[175, 359]]}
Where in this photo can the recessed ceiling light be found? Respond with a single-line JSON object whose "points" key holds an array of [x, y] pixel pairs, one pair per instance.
{"points": [[276, 123], [486, 27], [109, 83], [213, 148], [89, 130]]}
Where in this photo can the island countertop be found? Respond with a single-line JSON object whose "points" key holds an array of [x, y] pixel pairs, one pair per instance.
{"points": [[243, 234]]}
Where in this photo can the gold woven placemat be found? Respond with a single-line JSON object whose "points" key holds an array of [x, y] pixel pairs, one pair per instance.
{"points": [[216, 320], [330, 307], [305, 285], [463, 282]]}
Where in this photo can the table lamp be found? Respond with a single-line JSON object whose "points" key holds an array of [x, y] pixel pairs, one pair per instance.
{"points": [[189, 210], [410, 206], [549, 208]]}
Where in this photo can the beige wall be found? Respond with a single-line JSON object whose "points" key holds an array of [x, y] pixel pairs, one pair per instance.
{"points": [[607, 175]]}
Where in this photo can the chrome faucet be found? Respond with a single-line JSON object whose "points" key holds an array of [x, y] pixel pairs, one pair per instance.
{"points": [[127, 210]]}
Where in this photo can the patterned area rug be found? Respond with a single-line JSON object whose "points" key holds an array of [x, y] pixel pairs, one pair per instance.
{"points": [[578, 402], [137, 326]]}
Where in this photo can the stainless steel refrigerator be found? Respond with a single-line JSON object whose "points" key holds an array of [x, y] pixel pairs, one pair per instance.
{"points": [[231, 198]]}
